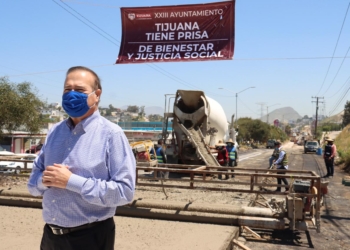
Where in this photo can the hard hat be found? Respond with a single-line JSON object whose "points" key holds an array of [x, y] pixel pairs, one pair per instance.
{"points": [[220, 144], [230, 141]]}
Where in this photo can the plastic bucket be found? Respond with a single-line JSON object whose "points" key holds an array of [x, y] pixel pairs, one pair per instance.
{"points": [[319, 151]]}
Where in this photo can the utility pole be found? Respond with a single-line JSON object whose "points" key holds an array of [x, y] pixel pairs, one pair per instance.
{"points": [[261, 108], [317, 102], [267, 112]]}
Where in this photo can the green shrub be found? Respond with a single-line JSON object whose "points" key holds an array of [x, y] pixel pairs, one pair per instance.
{"points": [[257, 130], [343, 146]]}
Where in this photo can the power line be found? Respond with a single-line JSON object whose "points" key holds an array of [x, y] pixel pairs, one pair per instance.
{"points": [[239, 59], [336, 45], [341, 87], [261, 108], [93, 4], [85, 22], [289, 58], [339, 101], [337, 71], [247, 106], [162, 71]]}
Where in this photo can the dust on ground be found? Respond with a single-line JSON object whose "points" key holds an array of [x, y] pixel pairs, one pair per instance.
{"points": [[22, 227]]}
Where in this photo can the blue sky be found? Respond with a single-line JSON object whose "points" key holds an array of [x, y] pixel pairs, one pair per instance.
{"points": [[282, 47]]}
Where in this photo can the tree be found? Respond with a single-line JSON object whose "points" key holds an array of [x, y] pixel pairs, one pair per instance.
{"points": [[250, 129], [257, 130], [288, 130], [142, 111], [346, 116], [155, 118], [19, 107], [133, 109], [108, 112], [111, 108]]}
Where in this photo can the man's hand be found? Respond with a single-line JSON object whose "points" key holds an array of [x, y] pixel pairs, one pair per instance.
{"points": [[56, 176]]}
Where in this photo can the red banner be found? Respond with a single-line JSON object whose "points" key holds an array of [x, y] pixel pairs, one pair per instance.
{"points": [[195, 32]]}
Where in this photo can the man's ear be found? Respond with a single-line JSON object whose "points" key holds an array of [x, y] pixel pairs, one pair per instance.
{"points": [[98, 93]]}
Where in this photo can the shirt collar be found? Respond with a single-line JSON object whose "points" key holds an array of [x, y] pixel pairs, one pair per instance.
{"points": [[84, 124]]}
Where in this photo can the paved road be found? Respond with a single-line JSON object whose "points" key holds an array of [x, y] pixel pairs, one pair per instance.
{"points": [[335, 214]]}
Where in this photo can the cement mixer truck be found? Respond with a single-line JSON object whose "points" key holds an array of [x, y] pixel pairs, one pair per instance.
{"points": [[196, 124]]}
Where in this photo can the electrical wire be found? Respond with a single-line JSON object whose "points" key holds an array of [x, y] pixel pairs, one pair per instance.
{"points": [[104, 65], [173, 77], [92, 4], [337, 71], [84, 22], [339, 101], [55, 71], [340, 87], [336, 45], [159, 69], [104, 34], [247, 106]]}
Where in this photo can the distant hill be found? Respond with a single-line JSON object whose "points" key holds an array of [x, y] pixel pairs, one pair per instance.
{"points": [[283, 114], [338, 118]]}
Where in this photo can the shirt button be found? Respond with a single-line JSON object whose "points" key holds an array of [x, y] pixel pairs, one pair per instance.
{"points": [[53, 200], [54, 219], [69, 149], [75, 133]]}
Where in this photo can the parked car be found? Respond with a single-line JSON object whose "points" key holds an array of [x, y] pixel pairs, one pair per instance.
{"points": [[311, 146], [16, 167], [6, 153], [270, 143]]}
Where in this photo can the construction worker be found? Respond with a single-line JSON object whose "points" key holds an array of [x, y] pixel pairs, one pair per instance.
{"points": [[328, 155], [222, 156], [281, 163], [275, 154], [232, 154], [161, 156]]}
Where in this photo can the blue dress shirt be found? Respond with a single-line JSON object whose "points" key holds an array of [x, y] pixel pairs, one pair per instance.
{"points": [[98, 154]]}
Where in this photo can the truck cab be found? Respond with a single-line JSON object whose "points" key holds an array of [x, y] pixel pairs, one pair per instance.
{"points": [[270, 143]]}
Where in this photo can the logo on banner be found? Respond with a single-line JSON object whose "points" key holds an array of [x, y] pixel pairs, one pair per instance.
{"points": [[144, 16], [131, 16]]}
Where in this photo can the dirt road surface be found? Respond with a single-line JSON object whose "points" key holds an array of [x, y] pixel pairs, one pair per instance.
{"points": [[21, 228]]}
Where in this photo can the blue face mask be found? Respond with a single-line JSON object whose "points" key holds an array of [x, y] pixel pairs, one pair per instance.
{"points": [[75, 103]]}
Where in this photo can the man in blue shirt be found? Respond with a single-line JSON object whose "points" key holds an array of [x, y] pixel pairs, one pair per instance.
{"points": [[84, 170], [232, 155], [161, 156], [281, 163]]}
